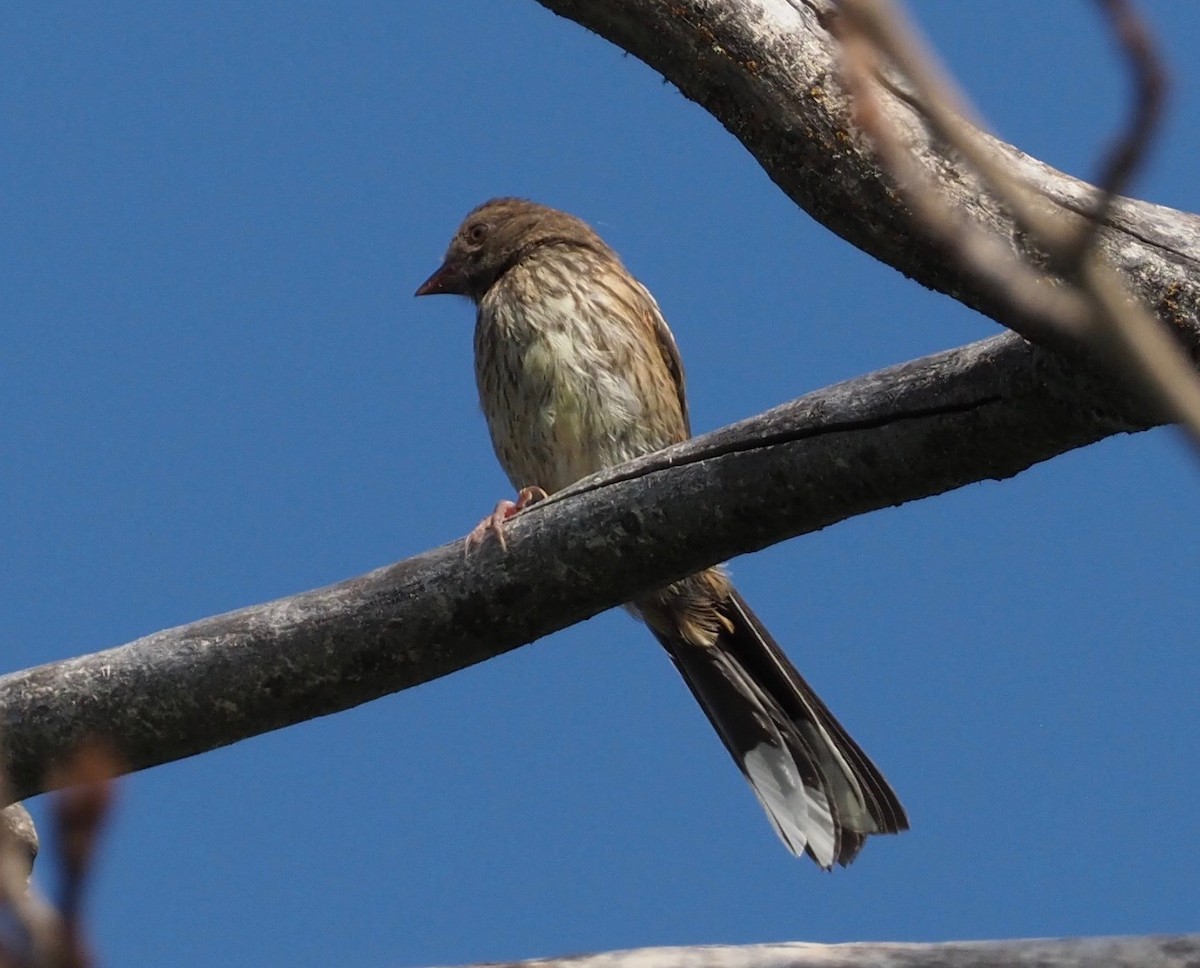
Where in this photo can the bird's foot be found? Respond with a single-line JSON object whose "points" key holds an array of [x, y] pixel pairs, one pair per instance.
{"points": [[493, 524]]}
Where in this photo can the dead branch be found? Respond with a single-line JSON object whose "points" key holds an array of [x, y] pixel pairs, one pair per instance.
{"points": [[770, 74], [985, 411]]}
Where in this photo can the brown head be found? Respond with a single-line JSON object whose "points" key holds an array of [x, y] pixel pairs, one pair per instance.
{"points": [[496, 236]]}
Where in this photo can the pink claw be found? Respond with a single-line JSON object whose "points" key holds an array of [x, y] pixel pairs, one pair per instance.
{"points": [[493, 524]]}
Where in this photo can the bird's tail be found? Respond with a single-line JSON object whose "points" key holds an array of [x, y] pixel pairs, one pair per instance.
{"points": [[819, 789]]}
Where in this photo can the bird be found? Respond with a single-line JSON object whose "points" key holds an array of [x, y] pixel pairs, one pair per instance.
{"points": [[577, 371]]}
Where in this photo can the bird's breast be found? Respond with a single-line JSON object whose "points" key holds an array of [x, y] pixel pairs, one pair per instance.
{"points": [[558, 390]]}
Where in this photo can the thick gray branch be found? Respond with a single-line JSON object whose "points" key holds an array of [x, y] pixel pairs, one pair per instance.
{"points": [[768, 71], [988, 410], [1165, 951]]}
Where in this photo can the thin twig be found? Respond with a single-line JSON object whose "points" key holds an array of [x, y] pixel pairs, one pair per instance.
{"points": [[993, 263], [1128, 153]]}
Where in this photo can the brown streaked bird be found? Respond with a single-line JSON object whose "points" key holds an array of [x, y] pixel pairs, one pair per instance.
{"points": [[577, 371]]}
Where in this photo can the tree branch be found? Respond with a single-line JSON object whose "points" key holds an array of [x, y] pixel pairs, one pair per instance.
{"points": [[988, 410], [1161, 951], [769, 73]]}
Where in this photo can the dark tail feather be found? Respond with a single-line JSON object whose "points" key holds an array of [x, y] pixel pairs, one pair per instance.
{"points": [[819, 789]]}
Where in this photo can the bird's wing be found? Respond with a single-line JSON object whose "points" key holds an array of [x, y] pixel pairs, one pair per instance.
{"points": [[665, 341]]}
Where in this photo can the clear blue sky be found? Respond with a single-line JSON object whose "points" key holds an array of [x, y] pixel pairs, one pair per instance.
{"points": [[217, 390]]}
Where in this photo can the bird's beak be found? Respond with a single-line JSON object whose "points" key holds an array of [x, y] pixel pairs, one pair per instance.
{"points": [[448, 279]]}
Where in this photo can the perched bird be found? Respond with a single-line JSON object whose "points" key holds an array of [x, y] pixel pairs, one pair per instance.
{"points": [[577, 371]]}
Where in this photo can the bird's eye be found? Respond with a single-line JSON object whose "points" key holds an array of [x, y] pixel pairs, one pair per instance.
{"points": [[477, 232]]}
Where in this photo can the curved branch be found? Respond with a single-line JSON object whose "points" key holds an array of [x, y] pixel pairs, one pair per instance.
{"points": [[988, 410], [768, 71]]}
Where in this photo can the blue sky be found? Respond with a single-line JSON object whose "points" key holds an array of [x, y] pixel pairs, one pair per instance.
{"points": [[217, 390]]}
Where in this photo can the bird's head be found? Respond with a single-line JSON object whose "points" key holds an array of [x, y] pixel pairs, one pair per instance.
{"points": [[495, 237]]}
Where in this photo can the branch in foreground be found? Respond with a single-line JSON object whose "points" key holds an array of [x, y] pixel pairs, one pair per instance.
{"points": [[1101, 310], [1155, 951], [988, 410]]}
